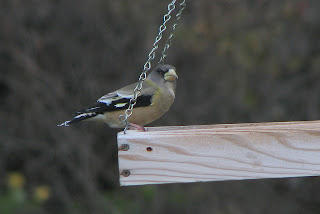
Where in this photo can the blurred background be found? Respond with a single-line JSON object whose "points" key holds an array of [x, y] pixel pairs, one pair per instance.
{"points": [[237, 61]]}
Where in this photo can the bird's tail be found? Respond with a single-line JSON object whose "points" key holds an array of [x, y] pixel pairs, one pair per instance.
{"points": [[79, 116], [84, 114]]}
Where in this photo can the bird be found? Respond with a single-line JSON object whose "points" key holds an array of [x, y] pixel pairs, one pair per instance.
{"points": [[156, 97]]}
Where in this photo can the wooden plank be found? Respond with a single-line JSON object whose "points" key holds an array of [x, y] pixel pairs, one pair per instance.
{"points": [[219, 152]]}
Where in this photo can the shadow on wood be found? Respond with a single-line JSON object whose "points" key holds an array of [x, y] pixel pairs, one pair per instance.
{"points": [[219, 152]]}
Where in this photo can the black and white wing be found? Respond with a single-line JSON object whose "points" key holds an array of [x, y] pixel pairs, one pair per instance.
{"points": [[114, 101]]}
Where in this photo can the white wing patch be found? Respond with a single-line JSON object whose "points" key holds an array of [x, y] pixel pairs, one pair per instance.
{"points": [[119, 105], [109, 98], [93, 108], [84, 115]]}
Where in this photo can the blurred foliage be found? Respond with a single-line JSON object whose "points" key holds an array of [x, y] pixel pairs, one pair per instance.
{"points": [[15, 198], [237, 61]]}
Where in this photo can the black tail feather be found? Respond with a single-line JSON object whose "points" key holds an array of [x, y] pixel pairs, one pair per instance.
{"points": [[92, 111], [79, 117]]}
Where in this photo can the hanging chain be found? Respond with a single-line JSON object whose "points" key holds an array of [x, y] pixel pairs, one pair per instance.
{"points": [[169, 40], [151, 56]]}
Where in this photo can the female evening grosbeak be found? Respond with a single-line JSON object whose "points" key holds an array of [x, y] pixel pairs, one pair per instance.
{"points": [[155, 99]]}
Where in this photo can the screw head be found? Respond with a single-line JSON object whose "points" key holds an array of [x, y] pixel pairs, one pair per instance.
{"points": [[125, 147], [125, 173]]}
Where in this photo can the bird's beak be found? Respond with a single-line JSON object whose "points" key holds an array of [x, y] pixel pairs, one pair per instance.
{"points": [[171, 75]]}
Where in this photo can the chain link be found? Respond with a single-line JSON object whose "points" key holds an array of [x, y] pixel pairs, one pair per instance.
{"points": [[169, 40], [151, 56]]}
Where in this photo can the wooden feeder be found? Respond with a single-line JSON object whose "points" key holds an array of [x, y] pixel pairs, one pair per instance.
{"points": [[219, 152]]}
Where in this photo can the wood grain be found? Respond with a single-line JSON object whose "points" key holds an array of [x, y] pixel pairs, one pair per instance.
{"points": [[220, 152]]}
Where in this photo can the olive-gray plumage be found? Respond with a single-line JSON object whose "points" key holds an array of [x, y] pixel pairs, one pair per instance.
{"points": [[155, 99]]}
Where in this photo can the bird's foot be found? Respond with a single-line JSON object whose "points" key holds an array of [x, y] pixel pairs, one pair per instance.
{"points": [[133, 126]]}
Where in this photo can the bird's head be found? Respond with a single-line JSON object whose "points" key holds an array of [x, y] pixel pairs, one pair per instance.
{"points": [[166, 73]]}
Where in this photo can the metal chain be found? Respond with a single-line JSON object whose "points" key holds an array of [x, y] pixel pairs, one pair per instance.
{"points": [[169, 40], [147, 65]]}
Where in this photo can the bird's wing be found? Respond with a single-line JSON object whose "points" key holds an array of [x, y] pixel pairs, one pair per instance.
{"points": [[118, 100]]}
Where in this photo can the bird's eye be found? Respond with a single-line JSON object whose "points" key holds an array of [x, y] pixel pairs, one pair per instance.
{"points": [[160, 71]]}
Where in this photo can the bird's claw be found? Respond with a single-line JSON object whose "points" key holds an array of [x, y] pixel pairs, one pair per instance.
{"points": [[133, 126]]}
